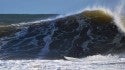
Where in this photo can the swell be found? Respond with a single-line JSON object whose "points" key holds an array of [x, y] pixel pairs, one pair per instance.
{"points": [[87, 33]]}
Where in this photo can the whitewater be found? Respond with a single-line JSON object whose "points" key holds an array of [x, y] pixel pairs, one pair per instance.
{"points": [[97, 62], [21, 51]]}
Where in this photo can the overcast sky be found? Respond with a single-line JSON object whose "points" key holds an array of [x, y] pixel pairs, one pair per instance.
{"points": [[49, 6]]}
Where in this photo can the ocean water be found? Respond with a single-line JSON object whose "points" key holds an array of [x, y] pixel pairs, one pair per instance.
{"points": [[23, 18], [91, 39]]}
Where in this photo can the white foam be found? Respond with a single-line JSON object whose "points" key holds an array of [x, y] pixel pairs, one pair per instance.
{"points": [[97, 62]]}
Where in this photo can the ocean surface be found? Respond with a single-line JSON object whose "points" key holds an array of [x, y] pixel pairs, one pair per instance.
{"points": [[6, 19], [90, 39]]}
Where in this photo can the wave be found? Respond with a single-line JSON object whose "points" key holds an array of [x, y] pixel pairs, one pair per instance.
{"points": [[89, 32]]}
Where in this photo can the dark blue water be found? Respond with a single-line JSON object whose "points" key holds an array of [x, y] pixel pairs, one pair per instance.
{"points": [[20, 18]]}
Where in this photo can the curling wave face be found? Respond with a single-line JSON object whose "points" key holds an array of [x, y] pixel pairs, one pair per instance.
{"points": [[87, 33]]}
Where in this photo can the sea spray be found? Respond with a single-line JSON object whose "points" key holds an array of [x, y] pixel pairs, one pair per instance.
{"points": [[118, 18]]}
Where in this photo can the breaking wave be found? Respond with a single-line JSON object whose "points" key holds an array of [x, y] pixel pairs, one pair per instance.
{"points": [[92, 31]]}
